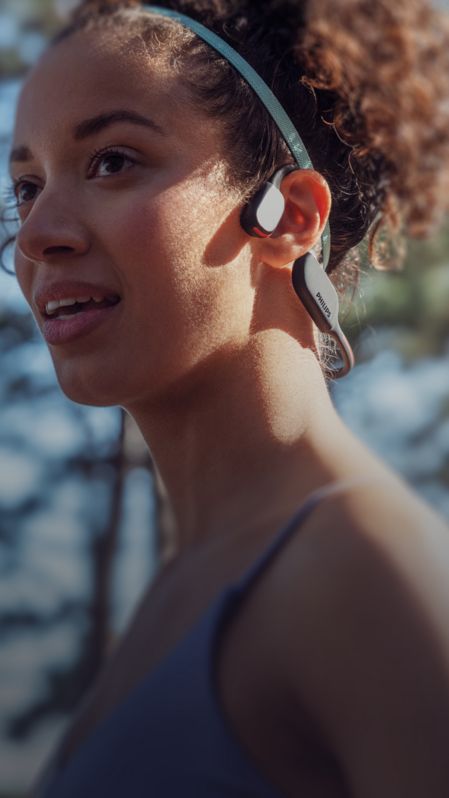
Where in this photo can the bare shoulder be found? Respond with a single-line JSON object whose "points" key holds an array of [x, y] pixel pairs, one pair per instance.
{"points": [[369, 529], [385, 524], [365, 627]]}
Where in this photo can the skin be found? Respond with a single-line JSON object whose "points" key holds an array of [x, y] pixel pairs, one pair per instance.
{"points": [[215, 359]]}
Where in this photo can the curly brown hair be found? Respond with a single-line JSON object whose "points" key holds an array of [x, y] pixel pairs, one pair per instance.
{"points": [[366, 84]]}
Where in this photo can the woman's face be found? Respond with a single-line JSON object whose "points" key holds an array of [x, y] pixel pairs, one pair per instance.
{"points": [[134, 207]]}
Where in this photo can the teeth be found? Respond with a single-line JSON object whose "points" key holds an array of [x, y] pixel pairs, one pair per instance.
{"points": [[54, 304]]}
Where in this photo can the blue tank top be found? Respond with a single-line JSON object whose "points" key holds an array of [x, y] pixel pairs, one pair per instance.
{"points": [[169, 737]]}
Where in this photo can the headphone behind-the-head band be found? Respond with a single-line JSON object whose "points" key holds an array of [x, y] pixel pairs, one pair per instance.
{"points": [[261, 215]]}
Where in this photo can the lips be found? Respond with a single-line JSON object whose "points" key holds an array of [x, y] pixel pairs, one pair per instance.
{"points": [[70, 288], [58, 331]]}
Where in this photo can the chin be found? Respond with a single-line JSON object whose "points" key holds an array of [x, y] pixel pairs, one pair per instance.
{"points": [[83, 396], [98, 389]]}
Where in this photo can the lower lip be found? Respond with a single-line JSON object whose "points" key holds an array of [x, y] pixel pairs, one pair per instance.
{"points": [[63, 331]]}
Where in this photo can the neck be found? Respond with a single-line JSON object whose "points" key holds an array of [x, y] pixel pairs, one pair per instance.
{"points": [[249, 443]]}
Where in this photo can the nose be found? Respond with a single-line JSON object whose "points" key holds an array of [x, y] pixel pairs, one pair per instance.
{"points": [[51, 230]]}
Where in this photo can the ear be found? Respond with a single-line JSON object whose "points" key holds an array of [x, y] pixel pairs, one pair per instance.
{"points": [[307, 206]]}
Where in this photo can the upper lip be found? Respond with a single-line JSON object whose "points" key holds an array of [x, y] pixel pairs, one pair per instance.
{"points": [[70, 288]]}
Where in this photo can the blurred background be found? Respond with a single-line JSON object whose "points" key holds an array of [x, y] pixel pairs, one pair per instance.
{"points": [[82, 518]]}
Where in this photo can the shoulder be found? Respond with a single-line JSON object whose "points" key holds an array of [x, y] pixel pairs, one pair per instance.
{"points": [[368, 529], [365, 629]]}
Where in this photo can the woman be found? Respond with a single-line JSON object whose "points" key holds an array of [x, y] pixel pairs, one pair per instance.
{"points": [[297, 643]]}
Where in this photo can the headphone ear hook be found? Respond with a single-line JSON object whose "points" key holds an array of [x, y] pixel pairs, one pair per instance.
{"points": [[319, 296], [259, 218]]}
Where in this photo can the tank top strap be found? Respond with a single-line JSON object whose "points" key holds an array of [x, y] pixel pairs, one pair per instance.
{"points": [[295, 522]]}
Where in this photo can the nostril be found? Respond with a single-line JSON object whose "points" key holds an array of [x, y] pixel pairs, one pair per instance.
{"points": [[57, 249]]}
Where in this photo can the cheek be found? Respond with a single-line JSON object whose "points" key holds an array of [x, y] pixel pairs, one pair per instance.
{"points": [[162, 242], [175, 297]]}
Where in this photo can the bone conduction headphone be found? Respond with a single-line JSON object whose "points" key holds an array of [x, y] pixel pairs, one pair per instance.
{"points": [[262, 214]]}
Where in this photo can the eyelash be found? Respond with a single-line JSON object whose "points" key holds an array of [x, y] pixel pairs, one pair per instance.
{"points": [[95, 158]]}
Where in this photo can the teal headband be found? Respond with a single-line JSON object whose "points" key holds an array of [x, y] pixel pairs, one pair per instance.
{"points": [[271, 103]]}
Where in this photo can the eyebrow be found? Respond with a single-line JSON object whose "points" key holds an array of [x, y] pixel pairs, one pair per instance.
{"points": [[93, 125]]}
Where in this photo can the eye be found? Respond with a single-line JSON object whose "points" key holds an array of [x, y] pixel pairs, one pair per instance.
{"points": [[104, 163], [112, 160], [16, 193]]}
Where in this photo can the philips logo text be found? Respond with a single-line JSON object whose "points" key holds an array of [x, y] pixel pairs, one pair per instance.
{"points": [[323, 305]]}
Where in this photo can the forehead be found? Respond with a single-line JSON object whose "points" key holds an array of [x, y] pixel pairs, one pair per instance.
{"points": [[89, 73]]}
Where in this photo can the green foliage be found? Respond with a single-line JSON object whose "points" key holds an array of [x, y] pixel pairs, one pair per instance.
{"points": [[414, 301]]}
